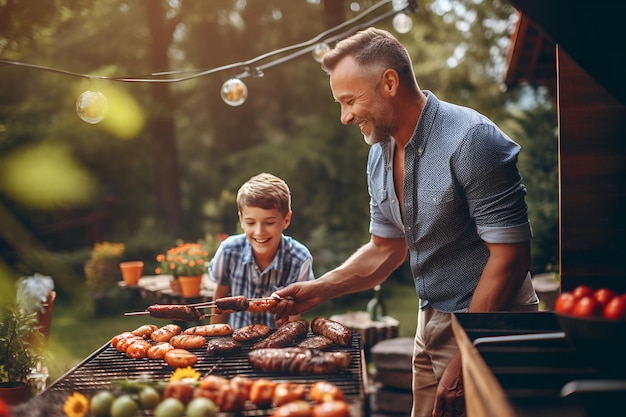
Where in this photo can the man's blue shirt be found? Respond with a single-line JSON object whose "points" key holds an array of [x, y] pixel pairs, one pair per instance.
{"points": [[461, 189]]}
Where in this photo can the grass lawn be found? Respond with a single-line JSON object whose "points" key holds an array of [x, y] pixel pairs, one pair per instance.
{"points": [[74, 338]]}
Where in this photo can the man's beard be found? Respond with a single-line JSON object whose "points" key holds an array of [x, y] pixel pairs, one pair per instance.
{"points": [[380, 131]]}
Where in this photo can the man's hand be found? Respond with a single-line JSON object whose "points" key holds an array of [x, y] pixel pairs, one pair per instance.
{"points": [[449, 401], [295, 299]]}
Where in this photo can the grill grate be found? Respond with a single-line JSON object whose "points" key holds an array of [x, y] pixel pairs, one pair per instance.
{"points": [[107, 365]]}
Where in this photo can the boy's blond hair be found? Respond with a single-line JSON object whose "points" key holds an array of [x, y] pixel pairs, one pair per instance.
{"points": [[265, 191]]}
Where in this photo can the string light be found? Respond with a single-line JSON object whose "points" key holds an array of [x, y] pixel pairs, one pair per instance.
{"points": [[234, 92], [91, 106]]}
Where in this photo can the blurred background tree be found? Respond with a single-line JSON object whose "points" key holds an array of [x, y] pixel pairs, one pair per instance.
{"points": [[166, 162]]}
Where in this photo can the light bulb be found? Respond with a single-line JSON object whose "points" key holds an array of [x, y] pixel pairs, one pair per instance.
{"points": [[92, 106], [399, 4], [402, 23], [234, 92], [320, 50]]}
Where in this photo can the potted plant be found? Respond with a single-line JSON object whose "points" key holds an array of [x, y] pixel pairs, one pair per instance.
{"points": [[187, 262], [19, 352]]}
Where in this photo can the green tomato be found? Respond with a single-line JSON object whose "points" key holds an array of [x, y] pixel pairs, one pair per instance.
{"points": [[100, 403], [149, 398], [124, 406], [170, 407], [201, 407]]}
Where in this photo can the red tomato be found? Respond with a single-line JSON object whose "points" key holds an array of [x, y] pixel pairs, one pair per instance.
{"points": [[615, 309], [4, 409], [586, 307], [565, 303], [603, 296], [582, 291]]}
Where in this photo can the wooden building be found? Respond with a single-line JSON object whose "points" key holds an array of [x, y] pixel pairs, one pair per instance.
{"points": [[576, 49]]}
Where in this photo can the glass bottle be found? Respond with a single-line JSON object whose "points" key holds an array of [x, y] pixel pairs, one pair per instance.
{"points": [[376, 307]]}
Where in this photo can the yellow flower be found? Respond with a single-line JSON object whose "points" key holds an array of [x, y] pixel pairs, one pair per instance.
{"points": [[185, 374], [76, 405]]}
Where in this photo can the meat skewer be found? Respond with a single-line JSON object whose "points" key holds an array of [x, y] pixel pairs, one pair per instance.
{"points": [[190, 312]]}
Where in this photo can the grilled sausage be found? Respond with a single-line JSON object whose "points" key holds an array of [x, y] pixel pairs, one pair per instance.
{"points": [[222, 346], [262, 392], [210, 330], [123, 344], [144, 331], [180, 358], [287, 392], [159, 350], [316, 341], [251, 332], [115, 340], [188, 341], [333, 330], [322, 391], [179, 312], [231, 304], [165, 333], [335, 408], [286, 335], [298, 408], [228, 395], [138, 349], [297, 361], [262, 305]]}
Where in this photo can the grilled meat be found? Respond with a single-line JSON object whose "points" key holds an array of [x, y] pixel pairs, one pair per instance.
{"points": [[298, 361], [286, 335], [188, 341], [332, 329], [177, 312], [251, 332], [165, 333], [316, 341], [210, 330], [222, 346]]}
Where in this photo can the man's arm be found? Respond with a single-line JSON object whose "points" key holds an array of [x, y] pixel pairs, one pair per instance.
{"points": [[499, 283], [369, 265]]}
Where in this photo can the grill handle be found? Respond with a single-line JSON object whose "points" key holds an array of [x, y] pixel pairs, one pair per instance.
{"points": [[519, 338]]}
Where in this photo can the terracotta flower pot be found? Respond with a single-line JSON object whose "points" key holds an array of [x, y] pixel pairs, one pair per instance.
{"points": [[190, 285], [131, 272], [13, 395]]}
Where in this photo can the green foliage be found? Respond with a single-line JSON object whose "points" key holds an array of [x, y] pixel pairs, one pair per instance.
{"points": [[18, 344], [289, 125]]}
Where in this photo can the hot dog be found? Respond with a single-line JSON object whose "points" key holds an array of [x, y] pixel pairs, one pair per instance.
{"points": [[159, 350], [262, 305], [188, 341], [180, 358], [333, 330], [138, 349], [165, 333], [210, 330], [144, 331]]}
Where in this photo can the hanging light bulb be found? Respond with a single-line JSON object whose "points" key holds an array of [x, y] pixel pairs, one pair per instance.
{"points": [[234, 92], [92, 106], [402, 23], [399, 5], [320, 50]]}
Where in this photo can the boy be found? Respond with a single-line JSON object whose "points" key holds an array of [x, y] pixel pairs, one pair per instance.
{"points": [[260, 260]]}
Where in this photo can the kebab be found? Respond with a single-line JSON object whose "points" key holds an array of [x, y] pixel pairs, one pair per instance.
{"points": [[191, 312]]}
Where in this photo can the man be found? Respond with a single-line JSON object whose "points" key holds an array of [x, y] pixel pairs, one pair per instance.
{"points": [[444, 185]]}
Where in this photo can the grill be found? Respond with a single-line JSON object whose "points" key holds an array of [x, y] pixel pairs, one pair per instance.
{"points": [[539, 370], [107, 365]]}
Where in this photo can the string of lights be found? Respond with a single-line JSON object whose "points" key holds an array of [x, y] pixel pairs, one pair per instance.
{"points": [[91, 106]]}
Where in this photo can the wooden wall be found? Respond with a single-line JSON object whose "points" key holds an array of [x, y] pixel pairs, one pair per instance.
{"points": [[592, 166]]}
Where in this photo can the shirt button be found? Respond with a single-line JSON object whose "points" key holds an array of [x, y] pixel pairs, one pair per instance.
{"points": [[407, 228], [393, 200]]}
